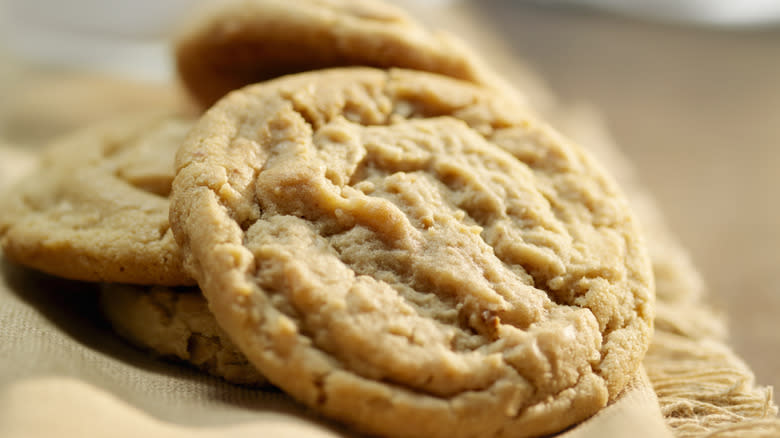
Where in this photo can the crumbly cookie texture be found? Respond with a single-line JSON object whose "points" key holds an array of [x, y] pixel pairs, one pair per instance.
{"points": [[176, 323], [413, 255], [228, 45], [96, 207]]}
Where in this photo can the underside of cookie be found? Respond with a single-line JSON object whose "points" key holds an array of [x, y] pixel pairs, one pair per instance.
{"points": [[176, 323], [96, 208], [413, 255], [228, 45]]}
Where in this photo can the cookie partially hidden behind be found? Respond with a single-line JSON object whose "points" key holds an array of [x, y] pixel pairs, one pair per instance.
{"points": [[227, 45], [96, 208], [176, 323], [413, 255]]}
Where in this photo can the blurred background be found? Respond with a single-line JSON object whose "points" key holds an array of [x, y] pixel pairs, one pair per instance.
{"points": [[689, 89]]}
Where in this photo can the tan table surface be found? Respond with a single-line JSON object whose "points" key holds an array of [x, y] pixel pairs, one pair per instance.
{"points": [[698, 111]]}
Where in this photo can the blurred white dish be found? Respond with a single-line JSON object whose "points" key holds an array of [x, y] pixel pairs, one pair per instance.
{"points": [[703, 12], [123, 37]]}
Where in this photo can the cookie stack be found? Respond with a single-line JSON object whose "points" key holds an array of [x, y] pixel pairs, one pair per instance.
{"points": [[380, 226]]}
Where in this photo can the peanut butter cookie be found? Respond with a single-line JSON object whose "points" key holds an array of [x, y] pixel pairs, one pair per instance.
{"points": [[96, 208], [227, 45], [413, 255], [176, 323]]}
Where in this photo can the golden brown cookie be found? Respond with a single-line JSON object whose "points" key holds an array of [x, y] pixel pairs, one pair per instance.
{"points": [[176, 323], [227, 45], [96, 208], [413, 255]]}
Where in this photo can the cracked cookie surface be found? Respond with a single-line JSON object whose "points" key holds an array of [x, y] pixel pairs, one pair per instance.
{"points": [[96, 207], [413, 255], [232, 44], [176, 323]]}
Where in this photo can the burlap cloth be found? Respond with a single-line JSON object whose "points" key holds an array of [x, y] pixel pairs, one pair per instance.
{"points": [[64, 373]]}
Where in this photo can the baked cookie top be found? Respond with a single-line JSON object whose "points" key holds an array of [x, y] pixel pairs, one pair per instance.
{"points": [[228, 45], [176, 323], [413, 255], [96, 207]]}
